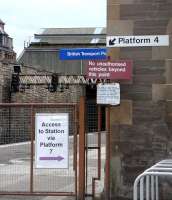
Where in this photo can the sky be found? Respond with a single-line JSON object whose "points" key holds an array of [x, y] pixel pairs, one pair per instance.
{"points": [[23, 18]]}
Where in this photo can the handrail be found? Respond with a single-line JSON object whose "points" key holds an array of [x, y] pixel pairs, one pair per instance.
{"points": [[152, 174]]}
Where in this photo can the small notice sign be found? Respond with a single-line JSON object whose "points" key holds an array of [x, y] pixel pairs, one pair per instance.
{"points": [[52, 134], [108, 93]]}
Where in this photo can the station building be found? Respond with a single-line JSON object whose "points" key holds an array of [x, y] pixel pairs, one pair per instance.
{"points": [[7, 59], [141, 127], [142, 135], [41, 55]]}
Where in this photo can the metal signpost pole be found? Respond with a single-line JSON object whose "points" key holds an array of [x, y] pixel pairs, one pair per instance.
{"points": [[108, 147], [81, 67], [81, 149]]}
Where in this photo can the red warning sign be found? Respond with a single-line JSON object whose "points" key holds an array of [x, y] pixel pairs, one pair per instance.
{"points": [[114, 70]]}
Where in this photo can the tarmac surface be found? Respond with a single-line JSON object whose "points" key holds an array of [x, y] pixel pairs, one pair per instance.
{"points": [[15, 172]]}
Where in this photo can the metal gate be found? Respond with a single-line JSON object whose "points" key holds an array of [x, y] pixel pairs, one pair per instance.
{"points": [[97, 145], [18, 174], [88, 153]]}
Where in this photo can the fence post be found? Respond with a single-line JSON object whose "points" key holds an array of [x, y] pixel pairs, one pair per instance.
{"points": [[108, 154], [81, 188], [32, 147]]}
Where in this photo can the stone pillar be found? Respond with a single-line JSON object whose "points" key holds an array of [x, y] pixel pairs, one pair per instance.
{"points": [[143, 140]]}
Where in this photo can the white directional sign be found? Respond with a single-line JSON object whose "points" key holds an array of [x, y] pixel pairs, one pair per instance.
{"points": [[137, 41], [52, 135], [108, 93]]}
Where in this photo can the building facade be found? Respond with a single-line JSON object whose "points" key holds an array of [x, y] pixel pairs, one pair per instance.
{"points": [[7, 59], [142, 135], [42, 55], [42, 52]]}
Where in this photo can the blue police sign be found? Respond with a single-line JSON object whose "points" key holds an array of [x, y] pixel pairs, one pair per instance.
{"points": [[83, 54]]}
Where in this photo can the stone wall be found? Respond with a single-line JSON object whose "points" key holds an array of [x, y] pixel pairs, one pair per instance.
{"points": [[40, 93], [5, 80], [6, 68], [145, 138], [15, 123]]}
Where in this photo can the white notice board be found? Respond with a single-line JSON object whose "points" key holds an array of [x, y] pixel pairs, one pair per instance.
{"points": [[108, 93], [51, 145], [137, 41]]}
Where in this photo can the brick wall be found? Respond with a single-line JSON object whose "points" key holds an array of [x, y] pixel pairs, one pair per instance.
{"points": [[5, 79], [15, 122], [20, 118], [6, 69]]}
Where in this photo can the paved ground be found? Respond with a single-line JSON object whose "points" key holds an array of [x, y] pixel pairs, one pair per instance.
{"points": [[40, 198], [15, 172]]}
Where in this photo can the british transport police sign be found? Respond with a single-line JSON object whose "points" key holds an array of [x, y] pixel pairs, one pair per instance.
{"points": [[137, 41], [51, 135], [83, 54]]}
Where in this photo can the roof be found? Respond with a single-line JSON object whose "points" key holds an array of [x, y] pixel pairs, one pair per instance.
{"points": [[73, 31], [71, 35], [2, 27], [2, 31], [1, 22]]}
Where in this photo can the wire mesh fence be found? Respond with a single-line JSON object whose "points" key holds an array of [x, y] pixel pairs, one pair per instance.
{"points": [[18, 172], [95, 149]]}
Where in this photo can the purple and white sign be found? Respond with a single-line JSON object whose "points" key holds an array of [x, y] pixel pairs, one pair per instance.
{"points": [[52, 135]]}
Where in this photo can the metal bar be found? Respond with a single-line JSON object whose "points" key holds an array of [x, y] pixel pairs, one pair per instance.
{"points": [[107, 167], [86, 164], [99, 151], [82, 149], [81, 67], [35, 74], [159, 169], [156, 188], [152, 188], [35, 104], [92, 148], [141, 188], [147, 187], [99, 140], [86, 153], [76, 148], [74, 139], [39, 193], [32, 151]]}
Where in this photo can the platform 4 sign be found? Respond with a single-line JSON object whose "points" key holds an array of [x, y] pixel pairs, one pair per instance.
{"points": [[137, 41], [114, 70]]}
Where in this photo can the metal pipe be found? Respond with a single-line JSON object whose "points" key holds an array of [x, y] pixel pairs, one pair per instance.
{"points": [[135, 191], [32, 147], [141, 188], [76, 149], [82, 149], [152, 188], [147, 187], [38, 193], [107, 166], [156, 188], [99, 151], [35, 104]]}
